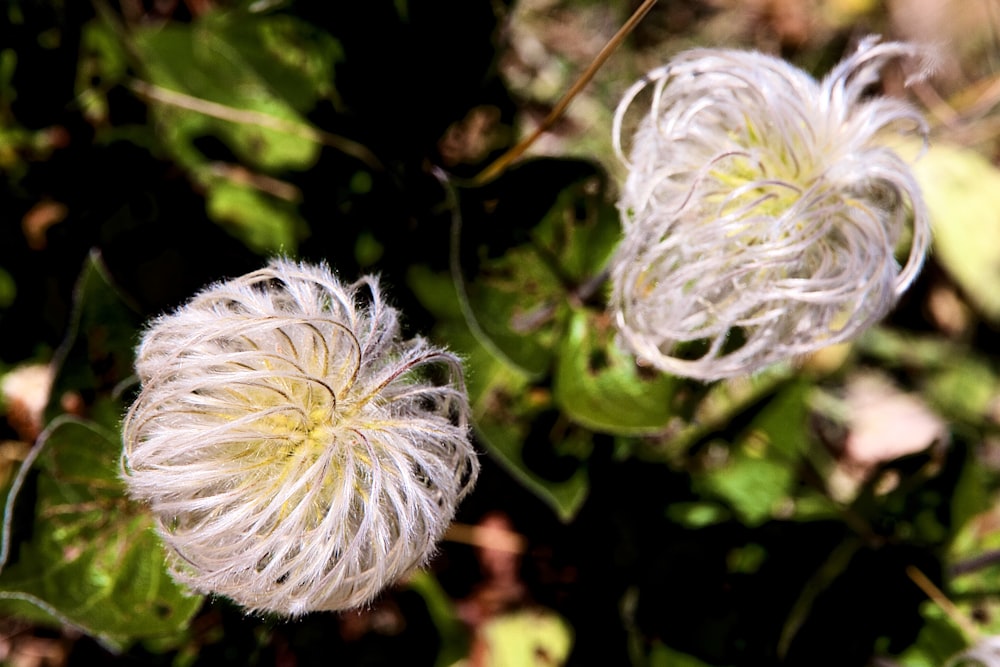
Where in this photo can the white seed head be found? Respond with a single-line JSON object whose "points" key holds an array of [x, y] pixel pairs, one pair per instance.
{"points": [[762, 211], [296, 453]]}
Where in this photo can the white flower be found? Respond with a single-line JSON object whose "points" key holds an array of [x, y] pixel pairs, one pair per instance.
{"points": [[761, 210], [296, 454]]}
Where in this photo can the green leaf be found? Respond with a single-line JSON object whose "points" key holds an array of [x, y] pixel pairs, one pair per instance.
{"points": [[248, 80], [759, 475], [895, 348], [273, 65], [519, 301], [102, 65], [90, 558], [87, 556], [974, 542], [294, 58], [454, 635], [664, 656], [600, 386], [956, 380], [507, 322], [505, 403], [697, 514], [8, 289], [962, 190], [939, 639], [97, 354], [965, 389], [754, 488], [527, 638], [519, 307], [781, 427], [971, 496], [265, 224], [505, 408]]}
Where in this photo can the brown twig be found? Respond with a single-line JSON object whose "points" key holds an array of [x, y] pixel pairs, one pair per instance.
{"points": [[941, 600], [975, 563], [180, 100], [502, 162], [239, 174], [486, 537]]}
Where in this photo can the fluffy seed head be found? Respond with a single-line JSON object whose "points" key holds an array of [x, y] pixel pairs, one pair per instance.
{"points": [[761, 211], [296, 453]]}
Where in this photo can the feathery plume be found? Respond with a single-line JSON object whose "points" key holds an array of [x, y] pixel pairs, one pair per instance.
{"points": [[761, 211], [296, 453]]}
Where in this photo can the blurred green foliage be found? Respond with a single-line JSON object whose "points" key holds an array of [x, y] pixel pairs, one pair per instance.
{"points": [[667, 522], [90, 558]]}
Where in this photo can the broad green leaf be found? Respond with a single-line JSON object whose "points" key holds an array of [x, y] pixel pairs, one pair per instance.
{"points": [[580, 231], [272, 65], [87, 556], [505, 408], [939, 639], [895, 348], [962, 190], [294, 58], [505, 403], [971, 497], [707, 409], [534, 637], [97, 354], [103, 64], [519, 301], [965, 389], [90, 557], [246, 80], [758, 478], [755, 488], [600, 386], [976, 577], [267, 225], [781, 426], [518, 306]]}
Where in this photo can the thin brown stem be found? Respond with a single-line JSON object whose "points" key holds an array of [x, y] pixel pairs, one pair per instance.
{"points": [[239, 174], [501, 163], [941, 600], [975, 563], [180, 100], [486, 537]]}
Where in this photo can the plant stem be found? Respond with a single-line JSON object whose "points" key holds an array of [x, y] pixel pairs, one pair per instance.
{"points": [[941, 600], [501, 163], [152, 92]]}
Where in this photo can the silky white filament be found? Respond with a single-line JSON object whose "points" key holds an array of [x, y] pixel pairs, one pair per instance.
{"points": [[296, 453], [761, 211]]}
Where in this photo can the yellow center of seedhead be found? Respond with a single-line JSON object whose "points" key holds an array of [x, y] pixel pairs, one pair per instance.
{"points": [[287, 444], [294, 433]]}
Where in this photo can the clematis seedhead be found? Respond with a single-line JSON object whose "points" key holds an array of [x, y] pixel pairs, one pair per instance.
{"points": [[763, 210], [297, 453]]}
